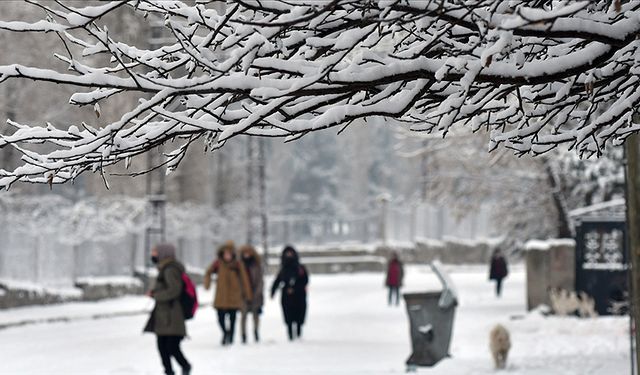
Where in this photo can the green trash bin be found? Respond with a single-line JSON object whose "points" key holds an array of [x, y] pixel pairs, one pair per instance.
{"points": [[431, 321]]}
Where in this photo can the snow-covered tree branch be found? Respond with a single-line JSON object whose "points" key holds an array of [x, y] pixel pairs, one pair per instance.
{"points": [[534, 73]]}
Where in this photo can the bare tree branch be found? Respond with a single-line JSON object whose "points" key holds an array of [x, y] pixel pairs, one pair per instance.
{"points": [[535, 74]]}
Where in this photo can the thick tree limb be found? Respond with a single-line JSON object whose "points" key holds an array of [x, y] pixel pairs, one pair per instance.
{"points": [[535, 76]]}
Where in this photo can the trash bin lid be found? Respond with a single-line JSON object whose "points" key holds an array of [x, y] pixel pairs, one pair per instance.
{"points": [[449, 295]]}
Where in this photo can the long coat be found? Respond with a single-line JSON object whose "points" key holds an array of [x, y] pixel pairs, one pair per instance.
{"points": [[256, 280], [498, 269], [293, 280], [232, 287], [167, 317], [395, 273]]}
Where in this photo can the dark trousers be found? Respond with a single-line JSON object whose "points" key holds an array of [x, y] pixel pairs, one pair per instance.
{"points": [[255, 312], [169, 346], [227, 330], [394, 292], [293, 333], [498, 287]]}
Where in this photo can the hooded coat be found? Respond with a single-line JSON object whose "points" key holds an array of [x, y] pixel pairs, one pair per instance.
{"points": [[253, 265], [232, 286], [167, 317], [293, 279]]}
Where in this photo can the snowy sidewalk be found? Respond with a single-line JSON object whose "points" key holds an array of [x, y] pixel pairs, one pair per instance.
{"points": [[350, 330]]}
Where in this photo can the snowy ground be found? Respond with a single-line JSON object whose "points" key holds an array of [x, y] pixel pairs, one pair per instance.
{"points": [[350, 331]]}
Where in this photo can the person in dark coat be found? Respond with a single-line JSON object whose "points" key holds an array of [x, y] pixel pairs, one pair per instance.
{"points": [[253, 264], [167, 318], [498, 270], [293, 278], [395, 274]]}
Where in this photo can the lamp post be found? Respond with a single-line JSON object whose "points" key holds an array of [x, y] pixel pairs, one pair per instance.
{"points": [[383, 199]]}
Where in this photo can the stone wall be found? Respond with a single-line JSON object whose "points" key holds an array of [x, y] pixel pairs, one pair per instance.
{"points": [[374, 259], [337, 264], [448, 251], [11, 296], [16, 294], [97, 289], [549, 264]]}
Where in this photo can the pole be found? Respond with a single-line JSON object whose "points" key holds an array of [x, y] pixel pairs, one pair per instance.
{"points": [[383, 219], [413, 225], [250, 189], [262, 160], [155, 183], [632, 149]]}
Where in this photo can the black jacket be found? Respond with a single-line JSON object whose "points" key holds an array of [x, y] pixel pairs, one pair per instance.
{"points": [[293, 279]]}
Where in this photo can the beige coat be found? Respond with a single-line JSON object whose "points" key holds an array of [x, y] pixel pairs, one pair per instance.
{"points": [[232, 286]]}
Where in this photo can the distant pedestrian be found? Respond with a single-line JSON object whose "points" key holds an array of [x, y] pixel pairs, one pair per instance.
{"points": [[167, 319], [293, 278], [253, 264], [232, 289], [498, 270], [395, 275]]}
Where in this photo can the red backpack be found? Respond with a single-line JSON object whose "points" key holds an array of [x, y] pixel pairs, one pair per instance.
{"points": [[188, 297]]}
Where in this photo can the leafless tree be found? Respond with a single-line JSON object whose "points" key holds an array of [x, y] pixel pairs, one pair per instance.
{"points": [[531, 197]]}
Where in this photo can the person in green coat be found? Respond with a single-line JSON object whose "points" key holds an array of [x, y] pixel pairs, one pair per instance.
{"points": [[167, 318]]}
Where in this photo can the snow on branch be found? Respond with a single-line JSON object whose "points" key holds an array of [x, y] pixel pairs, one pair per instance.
{"points": [[534, 73]]}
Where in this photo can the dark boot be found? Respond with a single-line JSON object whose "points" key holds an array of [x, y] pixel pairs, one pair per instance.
{"points": [[244, 338], [290, 331], [299, 330], [186, 370], [256, 335], [225, 338], [230, 338]]}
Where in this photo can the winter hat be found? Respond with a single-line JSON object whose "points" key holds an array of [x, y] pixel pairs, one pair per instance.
{"points": [[250, 250], [230, 245], [165, 250], [289, 249]]}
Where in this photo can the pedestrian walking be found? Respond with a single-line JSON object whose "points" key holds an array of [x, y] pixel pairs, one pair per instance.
{"points": [[253, 264], [167, 319], [232, 289], [498, 270], [395, 275], [293, 279]]}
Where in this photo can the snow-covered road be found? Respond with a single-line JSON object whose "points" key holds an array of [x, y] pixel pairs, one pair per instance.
{"points": [[350, 330]]}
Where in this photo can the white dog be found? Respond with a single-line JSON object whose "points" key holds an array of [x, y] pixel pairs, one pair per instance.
{"points": [[587, 308], [563, 302], [499, 343]]}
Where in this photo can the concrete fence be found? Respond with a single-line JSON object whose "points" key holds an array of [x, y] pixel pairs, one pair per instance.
{"points": [[549, 265], [448, 251]]}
